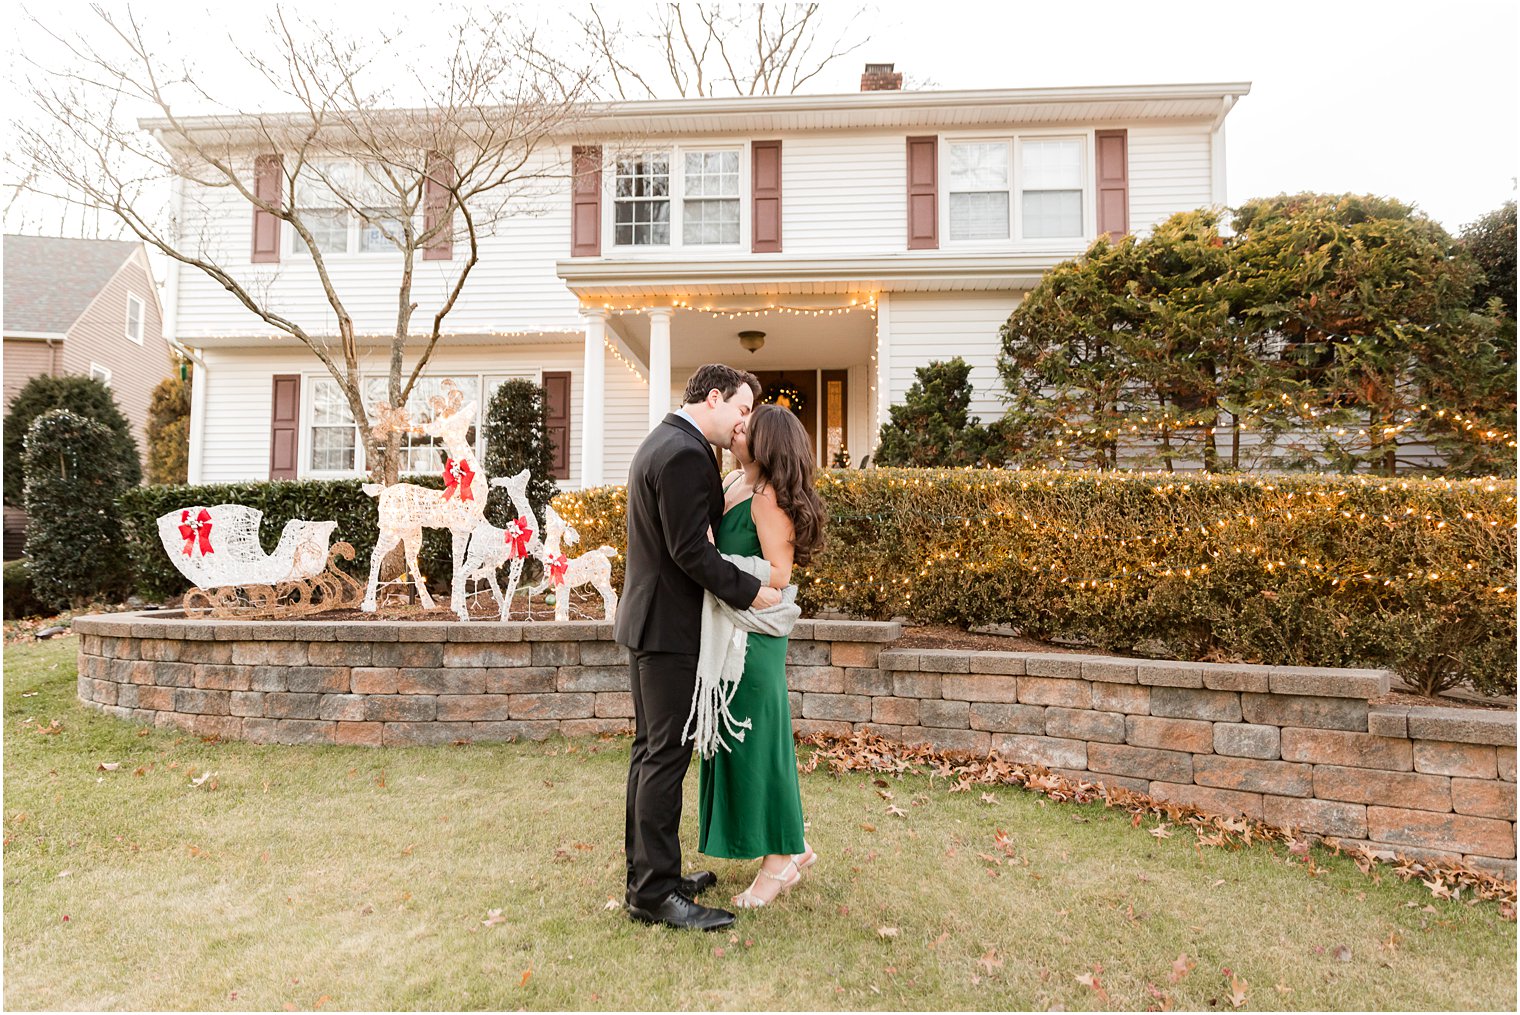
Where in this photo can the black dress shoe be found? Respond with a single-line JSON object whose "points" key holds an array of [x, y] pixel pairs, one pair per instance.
{"points": [[697, 882], [676, 910], [691, 885]]}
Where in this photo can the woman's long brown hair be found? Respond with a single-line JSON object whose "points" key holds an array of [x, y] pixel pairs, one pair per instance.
{"points": [[780, 447]]}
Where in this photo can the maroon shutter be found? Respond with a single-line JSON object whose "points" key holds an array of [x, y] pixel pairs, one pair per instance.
{"points": [[268, 185], [438, 206], [557, 400], [285, 426], [765, 197], [1113, 183], [923, 193], [586, 202]]}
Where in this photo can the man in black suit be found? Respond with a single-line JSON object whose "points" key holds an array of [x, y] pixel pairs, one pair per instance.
{"points": [[675, 496]]}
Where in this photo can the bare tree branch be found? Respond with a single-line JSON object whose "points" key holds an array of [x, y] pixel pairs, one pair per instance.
{"points": [[755, 49], [493, 108]]}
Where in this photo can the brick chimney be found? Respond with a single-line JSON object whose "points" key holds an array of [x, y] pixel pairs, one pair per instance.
{"points": [[879, 77]]}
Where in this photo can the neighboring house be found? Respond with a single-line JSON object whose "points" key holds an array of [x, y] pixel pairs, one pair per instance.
{"points": [[85, 307], [863, 234], [90, 307]]}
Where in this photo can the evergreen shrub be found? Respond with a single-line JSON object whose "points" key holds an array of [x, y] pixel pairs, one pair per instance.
{"points": [[75, 474], [20, 600], [933, 427], [169, 431], [1413, 575], [517, 438], [83, 395], [340, 500]]}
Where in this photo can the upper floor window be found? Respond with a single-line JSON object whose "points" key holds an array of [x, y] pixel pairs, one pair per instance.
{"points": [[333, 225], [979, 190], [135, 311], [1051, 187], [646, 213], [1022, 188]]}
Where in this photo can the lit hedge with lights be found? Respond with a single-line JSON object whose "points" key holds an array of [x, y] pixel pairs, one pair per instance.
{"points": [[1416, 575]]}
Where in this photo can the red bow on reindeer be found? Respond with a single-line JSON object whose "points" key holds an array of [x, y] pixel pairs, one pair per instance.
{"points": [[190, 528], [557, 568], [457, 477], [518, 534]]}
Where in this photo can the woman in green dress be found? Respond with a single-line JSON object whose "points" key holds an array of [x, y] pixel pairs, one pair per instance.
{"points": [[750, 799]]}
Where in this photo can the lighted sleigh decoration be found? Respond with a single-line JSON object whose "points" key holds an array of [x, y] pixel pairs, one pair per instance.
{"points": [[217, 548]]}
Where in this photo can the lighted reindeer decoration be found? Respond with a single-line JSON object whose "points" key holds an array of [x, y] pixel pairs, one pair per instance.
{"points": [[406, 509], [491, 547], [563, 574]]}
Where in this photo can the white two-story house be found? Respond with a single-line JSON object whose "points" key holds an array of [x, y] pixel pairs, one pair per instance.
{"points": [[829, 243]]}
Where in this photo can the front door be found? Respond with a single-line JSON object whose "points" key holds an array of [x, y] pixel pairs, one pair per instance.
{"points": [[796, 390], [817, 399]]}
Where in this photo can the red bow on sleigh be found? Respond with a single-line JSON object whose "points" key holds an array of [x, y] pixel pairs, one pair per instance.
{"points": [[557, 568], [189, 528], [517, 538], [457, 477]]}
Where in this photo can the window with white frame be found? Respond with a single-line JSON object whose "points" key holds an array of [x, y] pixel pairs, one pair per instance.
{"points": [[1051, 180], [332, 224], [641, 200], [334, 437], [335, 445], [419, 452], [710, 206], [135, 311], [708, 213], [101, 374], [978, 188]]}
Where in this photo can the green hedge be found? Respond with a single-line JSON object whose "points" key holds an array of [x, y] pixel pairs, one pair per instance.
{"points": [[342, 500], [1414, 575], [20, 599]]}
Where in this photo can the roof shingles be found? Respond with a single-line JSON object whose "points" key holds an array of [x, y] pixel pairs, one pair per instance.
{"points": [[50, 280]]}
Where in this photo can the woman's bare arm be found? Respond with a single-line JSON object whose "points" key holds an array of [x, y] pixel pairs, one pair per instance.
{"points": [[776, 533]]}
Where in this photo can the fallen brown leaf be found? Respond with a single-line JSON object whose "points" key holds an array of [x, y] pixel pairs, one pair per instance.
{"points": [[1180, 968]]}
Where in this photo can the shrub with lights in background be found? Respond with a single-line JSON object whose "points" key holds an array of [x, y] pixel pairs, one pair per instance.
{"points": [[1416, 575]]}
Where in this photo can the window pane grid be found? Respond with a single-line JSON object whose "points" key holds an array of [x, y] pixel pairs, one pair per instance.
{"points": [[641, 216]]}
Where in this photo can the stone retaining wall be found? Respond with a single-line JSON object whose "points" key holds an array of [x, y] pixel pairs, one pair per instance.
{"points": [[1293, 746]]}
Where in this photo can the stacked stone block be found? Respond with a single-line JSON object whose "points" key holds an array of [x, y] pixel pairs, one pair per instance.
{"points": [[1295, 746]]}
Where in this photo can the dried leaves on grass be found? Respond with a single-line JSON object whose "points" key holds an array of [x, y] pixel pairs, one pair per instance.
{"points": [[864, 752]]}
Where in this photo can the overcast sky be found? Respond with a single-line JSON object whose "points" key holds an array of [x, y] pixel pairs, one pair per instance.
{"points": [[1416, 101]]}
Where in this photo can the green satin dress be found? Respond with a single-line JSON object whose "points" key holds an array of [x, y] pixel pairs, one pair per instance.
{"points": [[750, 802]]}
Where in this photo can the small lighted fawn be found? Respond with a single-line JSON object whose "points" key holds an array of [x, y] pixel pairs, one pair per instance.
{"points": [[406, 509], [491, 547], [563, 574]]}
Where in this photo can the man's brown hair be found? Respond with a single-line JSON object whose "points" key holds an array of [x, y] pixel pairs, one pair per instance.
{"points": [[725, 378]]}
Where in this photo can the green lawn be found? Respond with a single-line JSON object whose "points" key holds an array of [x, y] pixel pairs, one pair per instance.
{"points": [[346, 878]]}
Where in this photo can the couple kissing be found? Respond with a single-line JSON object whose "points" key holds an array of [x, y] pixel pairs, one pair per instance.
{"points": [[706, 607]]}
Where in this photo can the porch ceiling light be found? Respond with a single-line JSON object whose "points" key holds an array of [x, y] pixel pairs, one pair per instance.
{"points": [[752, 340]]}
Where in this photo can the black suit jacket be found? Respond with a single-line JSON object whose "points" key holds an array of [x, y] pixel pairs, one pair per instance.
{"points": [[674, 495]]}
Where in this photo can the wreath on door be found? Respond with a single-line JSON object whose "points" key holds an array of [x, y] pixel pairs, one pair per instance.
{"points": [[788, 396]]}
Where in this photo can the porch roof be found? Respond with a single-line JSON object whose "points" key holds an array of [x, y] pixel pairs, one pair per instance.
{"points": [[634, 282]]}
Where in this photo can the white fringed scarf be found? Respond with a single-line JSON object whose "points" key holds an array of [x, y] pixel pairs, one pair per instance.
{"points": [[720, 661]]}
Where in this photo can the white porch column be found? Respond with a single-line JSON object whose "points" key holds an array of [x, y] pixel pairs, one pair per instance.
{"points": [[659, 364], [593, 395]]}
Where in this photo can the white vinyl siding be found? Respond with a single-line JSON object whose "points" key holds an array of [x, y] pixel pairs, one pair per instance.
{"points": [[844, 194], [930, 327], [237, 395], [513, 288], [1170, 170]]}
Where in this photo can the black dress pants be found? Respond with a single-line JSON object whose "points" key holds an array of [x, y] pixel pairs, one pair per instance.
{"points": [[662, 685]]}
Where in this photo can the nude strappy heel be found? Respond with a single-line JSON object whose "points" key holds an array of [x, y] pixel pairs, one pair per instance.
{"points": [[747, 899]]}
